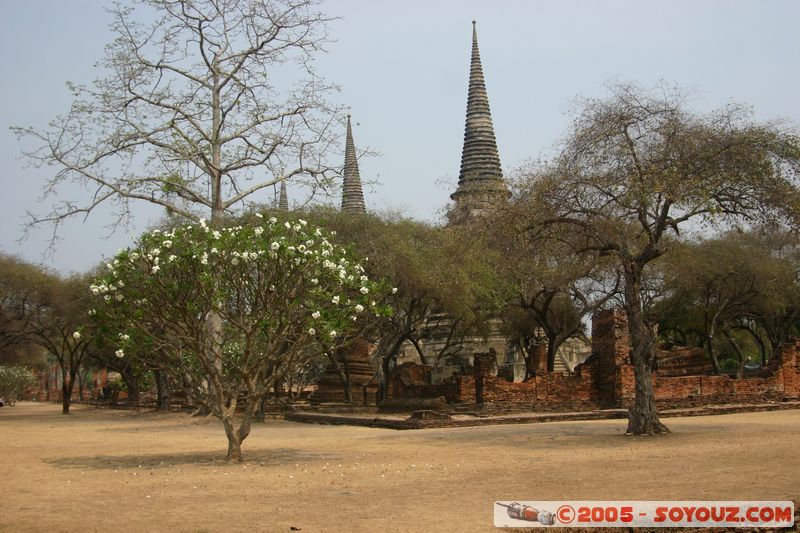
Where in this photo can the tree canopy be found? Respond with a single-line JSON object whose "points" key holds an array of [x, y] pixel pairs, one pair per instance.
{"points": [[636, 168]]}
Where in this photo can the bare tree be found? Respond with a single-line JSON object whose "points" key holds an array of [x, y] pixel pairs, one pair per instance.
{"points": [[202, 104], [637, 168]]}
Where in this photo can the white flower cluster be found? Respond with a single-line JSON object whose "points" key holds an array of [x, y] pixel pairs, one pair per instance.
{"points": [[303, 252]]}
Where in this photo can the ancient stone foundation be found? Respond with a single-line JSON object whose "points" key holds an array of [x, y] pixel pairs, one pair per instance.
{"points": [[353, 362]]}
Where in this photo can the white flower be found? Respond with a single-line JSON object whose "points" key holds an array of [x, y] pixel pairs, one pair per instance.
{"points": [[214, 250], [302, 222], [315, 314], [333, 333], [312, 331], [359, 308], [76, 335], [216, 234], [353, 318], [120, 297], [258, 231], [120, 353], [372, 303], [364, 278], [318, 232], [167, 244], [273, 255], [134, 256], [204, 259], [253, 255], [172, 258], [363, 290], [109, 266], [288, 226], [301, 248], [259, 215], [297, 227], [272, 220], [234, 261], [155, 269], [156, 251], [92, 312], [394, 290], [274, 246], [335, 299], [314, 281], [124, 337], [202, 223]]}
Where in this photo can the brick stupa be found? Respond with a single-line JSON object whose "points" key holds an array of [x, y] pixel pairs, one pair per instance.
{"points": [[480, 181]]}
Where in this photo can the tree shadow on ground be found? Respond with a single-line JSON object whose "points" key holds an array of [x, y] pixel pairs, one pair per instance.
{"points": [[256, 457]]}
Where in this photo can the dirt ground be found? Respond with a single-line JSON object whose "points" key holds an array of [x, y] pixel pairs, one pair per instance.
{"points": [[102, 470]]}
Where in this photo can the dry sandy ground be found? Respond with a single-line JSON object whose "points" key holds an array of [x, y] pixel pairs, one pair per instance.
{"points": [[100, 470]]}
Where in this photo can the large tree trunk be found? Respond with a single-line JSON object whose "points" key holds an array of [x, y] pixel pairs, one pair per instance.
{"points": [[552, 348], [237, 436], [711, 329], [66, 391], [162, 391], [642, 415], [739, 353], [234, 444], [132, 384], [386, 360]]}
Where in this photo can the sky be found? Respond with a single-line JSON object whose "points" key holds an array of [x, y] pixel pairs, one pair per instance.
{"points": [[403, 70]]}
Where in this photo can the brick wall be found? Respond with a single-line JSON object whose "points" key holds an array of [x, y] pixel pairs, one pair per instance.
{"points": [[606, 379]]}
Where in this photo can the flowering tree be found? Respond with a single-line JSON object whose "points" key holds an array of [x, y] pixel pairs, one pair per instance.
{"points": [[279, 289], [14, 379]]}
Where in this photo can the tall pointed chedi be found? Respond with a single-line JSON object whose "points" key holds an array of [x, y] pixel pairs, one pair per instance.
{"points": [[283, 199], [480, 182], [352, 195]]}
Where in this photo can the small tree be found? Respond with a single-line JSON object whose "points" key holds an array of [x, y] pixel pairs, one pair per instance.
{"points": [[638, 167], [15, 380], [19, 302], [279, 290], [59, 325]]}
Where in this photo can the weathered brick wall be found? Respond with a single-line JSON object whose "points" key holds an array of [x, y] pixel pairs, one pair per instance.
{"points": [[606, 379]]}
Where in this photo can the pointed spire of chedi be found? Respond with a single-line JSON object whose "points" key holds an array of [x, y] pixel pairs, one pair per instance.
{"points": [[283, 200], [352, 195], [480, 182]]}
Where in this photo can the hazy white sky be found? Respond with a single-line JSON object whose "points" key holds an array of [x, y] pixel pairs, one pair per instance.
{"points": [[403, 69]]}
